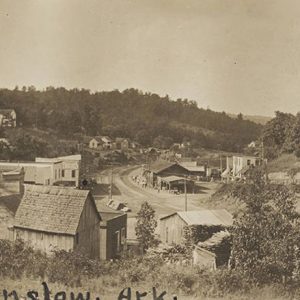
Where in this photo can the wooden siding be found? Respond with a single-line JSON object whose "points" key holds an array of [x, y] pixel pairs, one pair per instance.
{"points": [[44, 241], [172, 229], [87, 237], [108, 229]]}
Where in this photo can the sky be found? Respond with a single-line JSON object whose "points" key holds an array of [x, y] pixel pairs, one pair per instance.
{"points": [[228, 55]]}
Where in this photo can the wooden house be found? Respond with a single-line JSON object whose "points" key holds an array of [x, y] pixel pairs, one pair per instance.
{"points": [[96, 143], [122, 143], [172, 226], [113, 231], [51, 217]]}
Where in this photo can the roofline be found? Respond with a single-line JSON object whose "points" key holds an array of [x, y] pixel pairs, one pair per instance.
{"points": [[168, 216], [44, 231], [90, 195]]}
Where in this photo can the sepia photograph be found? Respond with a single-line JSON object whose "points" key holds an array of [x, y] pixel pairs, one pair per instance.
{"points": [[149, 149]]}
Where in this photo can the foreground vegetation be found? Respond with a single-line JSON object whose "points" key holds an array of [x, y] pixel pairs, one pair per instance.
{"points": [[23, 269]]}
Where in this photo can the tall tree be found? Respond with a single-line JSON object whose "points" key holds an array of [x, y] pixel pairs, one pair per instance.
{"points": [[145, 226], [266, 236]]}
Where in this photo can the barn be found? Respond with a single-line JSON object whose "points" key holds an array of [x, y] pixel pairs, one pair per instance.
{"points": [[52, 217], [172, 226]]}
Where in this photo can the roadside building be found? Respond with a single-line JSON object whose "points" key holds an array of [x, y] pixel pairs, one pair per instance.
{"points": [[160, 169], [64, 170], [172, 226], [8, 118], [51, 217], [238, 166], [194, 169], [175, 184]]}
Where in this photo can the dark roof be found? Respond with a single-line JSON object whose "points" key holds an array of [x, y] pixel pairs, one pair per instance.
{"points": [[11, 202], [215, 240], [160, 166], [51, 209]]}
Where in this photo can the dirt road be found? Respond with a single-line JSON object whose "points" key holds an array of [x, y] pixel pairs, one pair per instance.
{"points": [[163, 202]]}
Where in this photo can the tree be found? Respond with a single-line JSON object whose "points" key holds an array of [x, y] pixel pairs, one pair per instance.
{"points": [[145, 226], [266, 236]]}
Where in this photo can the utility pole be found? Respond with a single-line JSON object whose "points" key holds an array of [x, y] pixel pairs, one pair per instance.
{"points": [[110, 184], [185, 194]]}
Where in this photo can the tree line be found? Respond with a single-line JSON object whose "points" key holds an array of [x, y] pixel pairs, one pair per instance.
{"points": [[282, 135], [143, 117]]}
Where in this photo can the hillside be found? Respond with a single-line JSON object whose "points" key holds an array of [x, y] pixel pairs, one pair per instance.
{"points": [[143, 117], [262, 120]]}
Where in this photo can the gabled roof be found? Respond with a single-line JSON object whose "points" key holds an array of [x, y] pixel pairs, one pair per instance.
{"points": [[160, 166], [51, 209], [205, 217], [98, 139]]}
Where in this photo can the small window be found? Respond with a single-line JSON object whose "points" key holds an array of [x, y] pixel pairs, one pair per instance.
{"points": [[63, 173], [248, 162], [123, 237], [55, 174], [117, 237], [73, 173], [167, 235]]}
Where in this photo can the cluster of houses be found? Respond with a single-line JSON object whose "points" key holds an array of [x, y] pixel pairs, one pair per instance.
{"points": [[107, 143], [8, 118]]}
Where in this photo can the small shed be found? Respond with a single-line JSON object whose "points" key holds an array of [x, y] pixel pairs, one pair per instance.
{"points": [[51, 217], [172, 226], [214, 252], [113, 231]]}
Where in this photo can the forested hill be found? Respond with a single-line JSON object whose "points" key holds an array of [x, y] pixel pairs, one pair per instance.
{"points": [[143, 117]]}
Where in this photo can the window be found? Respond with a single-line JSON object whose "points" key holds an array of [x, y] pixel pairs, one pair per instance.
{"points": [[63, 173], [55, 176], [167, 235], [123, 236], [77, 238], [73, 173], [117, 237], [59, 173], [248, 162]]}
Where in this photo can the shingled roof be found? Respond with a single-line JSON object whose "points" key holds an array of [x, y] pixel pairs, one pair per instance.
{"points": [[51, 209]]}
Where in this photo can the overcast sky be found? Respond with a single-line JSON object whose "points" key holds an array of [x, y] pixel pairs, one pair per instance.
{"points": [[231, 55]]}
